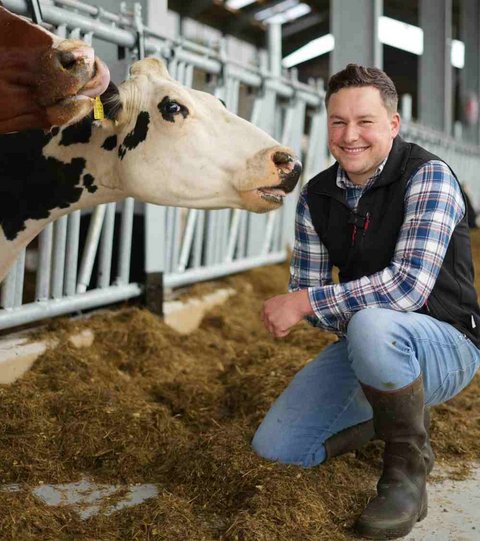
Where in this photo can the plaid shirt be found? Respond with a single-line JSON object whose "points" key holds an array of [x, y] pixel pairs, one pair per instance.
{"points": [[433, 207]]}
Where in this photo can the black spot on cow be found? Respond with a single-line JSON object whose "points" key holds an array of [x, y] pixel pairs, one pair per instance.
{"points": [[88, 181], [137, 135], [170, 108], [55, 131], [31, 185], [110, 142], [77, 133]]}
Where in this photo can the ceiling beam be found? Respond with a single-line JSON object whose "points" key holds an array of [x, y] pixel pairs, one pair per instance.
{"points": [[303, 23]]}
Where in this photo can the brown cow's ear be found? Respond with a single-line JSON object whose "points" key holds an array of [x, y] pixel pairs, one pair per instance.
{"points": [[112, 105]]}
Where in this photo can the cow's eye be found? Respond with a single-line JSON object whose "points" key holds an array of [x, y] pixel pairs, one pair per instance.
{"points": [[170, 108]]}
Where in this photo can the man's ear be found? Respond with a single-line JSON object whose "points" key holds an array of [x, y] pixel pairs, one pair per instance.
{"points": [[395, 124]]}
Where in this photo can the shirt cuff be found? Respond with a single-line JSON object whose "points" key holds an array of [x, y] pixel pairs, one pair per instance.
{"points": [[325, 317]]}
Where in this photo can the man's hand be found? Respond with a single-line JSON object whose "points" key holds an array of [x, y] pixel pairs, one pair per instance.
{"points": [[281, 313]]}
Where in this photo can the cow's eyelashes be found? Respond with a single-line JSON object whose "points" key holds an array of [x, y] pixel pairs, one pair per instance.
{"points": [[170, 108]]}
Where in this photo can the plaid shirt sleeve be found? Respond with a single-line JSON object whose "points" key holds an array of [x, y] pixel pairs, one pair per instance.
{"points": [[310, 265], [433, 207]]}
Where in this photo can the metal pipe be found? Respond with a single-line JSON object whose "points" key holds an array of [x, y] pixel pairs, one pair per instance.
{"points": [[45, 240], [71, 258], [58, 16], [106, 247], [8, 289], [274, 45], [91, 247], [125, 241], [81, 301], [187, 240], [20, 275], [191, 276], [58, 264]]}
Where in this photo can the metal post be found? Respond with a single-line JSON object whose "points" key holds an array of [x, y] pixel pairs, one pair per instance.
{"points": [[470, 74], [274, 41], [435, 68], [355, 29]]}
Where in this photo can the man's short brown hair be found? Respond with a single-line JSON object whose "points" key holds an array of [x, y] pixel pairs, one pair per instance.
{"points": [[357, 76]]}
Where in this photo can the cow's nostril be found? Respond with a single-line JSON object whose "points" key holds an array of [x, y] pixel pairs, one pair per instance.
{"points": [[281, 158], [67, 59]]}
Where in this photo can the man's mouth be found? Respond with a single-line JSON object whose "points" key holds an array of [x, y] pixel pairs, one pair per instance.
{"points": [[353, 150]]}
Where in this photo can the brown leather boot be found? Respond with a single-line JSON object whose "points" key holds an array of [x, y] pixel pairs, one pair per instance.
{"points": [[401, 500], [355, 437]]}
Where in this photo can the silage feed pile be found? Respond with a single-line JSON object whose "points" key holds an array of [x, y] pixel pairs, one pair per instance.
{"points": [[146, 405]]}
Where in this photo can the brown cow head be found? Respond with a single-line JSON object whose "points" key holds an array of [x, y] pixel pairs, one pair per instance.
{"points": [[44, 80]]}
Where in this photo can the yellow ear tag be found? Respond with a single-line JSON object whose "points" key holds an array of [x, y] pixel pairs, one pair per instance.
{"points": [[98, 113]]}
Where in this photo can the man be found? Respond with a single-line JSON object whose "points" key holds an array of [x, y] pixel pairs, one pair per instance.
{"points": [[391, 216]]}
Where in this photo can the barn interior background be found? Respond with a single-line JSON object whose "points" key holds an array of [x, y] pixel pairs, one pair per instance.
{"points": [[268, 61]]}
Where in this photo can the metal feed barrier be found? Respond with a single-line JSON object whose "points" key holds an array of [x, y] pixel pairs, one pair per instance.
{"points": [[184, 246]]}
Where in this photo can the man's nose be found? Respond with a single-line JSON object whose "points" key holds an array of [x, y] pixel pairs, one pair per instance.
{"points": [[350, 133]]}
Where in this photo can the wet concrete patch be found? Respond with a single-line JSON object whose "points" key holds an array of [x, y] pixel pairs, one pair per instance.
{"points": [[88, 498]]}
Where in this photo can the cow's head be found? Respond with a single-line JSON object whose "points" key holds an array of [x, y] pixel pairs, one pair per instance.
{"points": [[44, 80], [179, 146]]}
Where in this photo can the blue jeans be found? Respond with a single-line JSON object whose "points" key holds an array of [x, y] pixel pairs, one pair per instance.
{"points": [[385, 349]]}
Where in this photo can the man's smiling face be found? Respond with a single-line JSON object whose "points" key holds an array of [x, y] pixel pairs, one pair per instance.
{"points": [[360, 130]]}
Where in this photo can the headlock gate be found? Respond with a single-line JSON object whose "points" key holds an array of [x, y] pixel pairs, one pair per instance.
{"points": [[183, 246]]}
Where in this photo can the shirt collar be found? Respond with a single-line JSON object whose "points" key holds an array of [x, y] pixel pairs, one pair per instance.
{"points": [[344, 182]]}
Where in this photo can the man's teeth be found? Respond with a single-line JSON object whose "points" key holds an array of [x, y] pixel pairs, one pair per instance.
{"points": [[354, 150]]}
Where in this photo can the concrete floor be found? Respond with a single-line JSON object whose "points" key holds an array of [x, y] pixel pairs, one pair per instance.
{"points": [[453, 511], [454, 506]]}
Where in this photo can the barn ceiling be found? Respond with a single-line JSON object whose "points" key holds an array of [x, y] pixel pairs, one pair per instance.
{"points": [[246, 23]]}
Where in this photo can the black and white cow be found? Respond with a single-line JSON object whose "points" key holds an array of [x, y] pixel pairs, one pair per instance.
{"points": [[161, 143]]}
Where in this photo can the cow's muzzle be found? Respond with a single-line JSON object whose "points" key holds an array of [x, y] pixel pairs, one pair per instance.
{"points": [[289, 171], [271, 175], [71, 70]]}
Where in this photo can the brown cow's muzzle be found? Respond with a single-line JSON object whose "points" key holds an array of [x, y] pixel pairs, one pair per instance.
{"points": [[270, 176], [70, 76], [71, 69]]}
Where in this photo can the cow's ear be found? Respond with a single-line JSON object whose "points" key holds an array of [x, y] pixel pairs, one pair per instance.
{"points": [[150, 65], [112, 105]]}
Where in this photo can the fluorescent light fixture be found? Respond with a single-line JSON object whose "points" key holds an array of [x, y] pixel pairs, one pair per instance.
{"points": [[458, 53], [400, 35], [390, 32], [275, 10], [238, 4], [291, 14], [314, 48]]}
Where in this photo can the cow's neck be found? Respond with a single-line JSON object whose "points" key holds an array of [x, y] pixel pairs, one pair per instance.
{"points": [[43, 177]]}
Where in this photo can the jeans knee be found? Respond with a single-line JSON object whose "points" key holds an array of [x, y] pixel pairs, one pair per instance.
{"points": [[380, 349], [284, 447]]}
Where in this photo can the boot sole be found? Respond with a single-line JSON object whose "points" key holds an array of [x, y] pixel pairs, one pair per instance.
{"points": [[369, 532]]}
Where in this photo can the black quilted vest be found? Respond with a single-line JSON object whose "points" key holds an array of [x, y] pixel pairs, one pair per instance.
{"points": [[362, 243]]}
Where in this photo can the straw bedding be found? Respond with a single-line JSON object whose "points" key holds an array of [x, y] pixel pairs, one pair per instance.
{"points": [[146, 405]]}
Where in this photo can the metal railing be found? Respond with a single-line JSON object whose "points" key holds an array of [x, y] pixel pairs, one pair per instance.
{"points": [[186, 245]]}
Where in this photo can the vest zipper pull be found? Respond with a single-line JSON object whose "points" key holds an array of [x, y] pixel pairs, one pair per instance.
{"points": [[366, 223]]}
